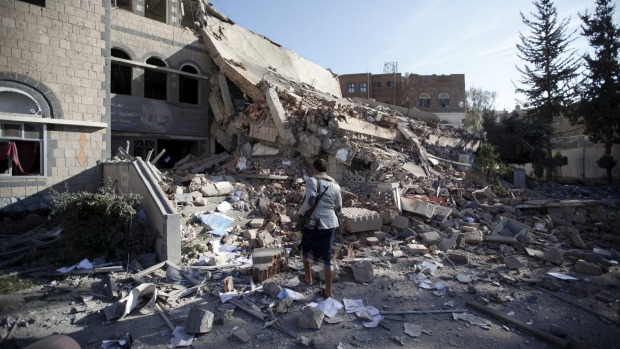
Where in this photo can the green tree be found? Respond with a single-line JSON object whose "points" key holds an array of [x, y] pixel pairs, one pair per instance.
{"points": [[549, 70], [518, 140], [599, 106], [479, 102]]}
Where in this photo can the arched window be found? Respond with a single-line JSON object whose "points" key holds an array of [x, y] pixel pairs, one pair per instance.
{"points": [[121, 74], [444, 100], [155, 82], [21, 143], [188, 86], [424, 100]]}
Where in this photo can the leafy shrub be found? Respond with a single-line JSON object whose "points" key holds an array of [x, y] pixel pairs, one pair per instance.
{"points": [[102, 223]]}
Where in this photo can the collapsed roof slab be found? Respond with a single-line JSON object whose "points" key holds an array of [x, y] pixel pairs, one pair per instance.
{"points": [[411, 112], [247, 58], [366, 128]]}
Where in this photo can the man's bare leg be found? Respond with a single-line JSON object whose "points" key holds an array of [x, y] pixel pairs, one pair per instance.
{"points": [[329, 277], [308, 271]]}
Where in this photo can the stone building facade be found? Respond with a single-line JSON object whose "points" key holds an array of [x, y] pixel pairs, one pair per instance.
{"points": [[78, 79], [440, 94]]}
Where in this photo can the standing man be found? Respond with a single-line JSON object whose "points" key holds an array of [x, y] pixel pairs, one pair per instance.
{"points": [[317, 242]]}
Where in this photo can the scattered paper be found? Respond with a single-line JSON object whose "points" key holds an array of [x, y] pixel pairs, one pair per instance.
{"points": [[413, 330], [562, 276], [375, 316], [329, 307], [84, 264], [472, 319], [180, 338], [353, 305], [218, 223]]}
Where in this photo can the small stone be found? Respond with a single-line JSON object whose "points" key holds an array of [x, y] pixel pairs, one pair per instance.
{"points": [[363, 272], [472, 289], [397, 253], [372, 241], [407, 233], [305, 341], [199, 321], [311, 318], [242, 336], [257, 222], [271, 289], [265, 239], [380, 235], [250, 233], [588, 268], [458, 258], [554, 256], [550, 283], [417, 249], [513, 263], [271, 226], [400, 222]]}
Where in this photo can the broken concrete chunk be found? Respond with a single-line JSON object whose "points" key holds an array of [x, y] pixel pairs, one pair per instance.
{"points": [[363, 271], [272, 289], [534, 253], [250, 233], [257, 222], [554, 256], [417, 249], [311, 318], [448, 244], [265, 239], [242, 336], [588, 268], [513, 263], [431, 237], [380, 235], [400, 222], [209, 190], [458, 258], [418, 207], [263, 206], [372, 241], [199, 321], [271, 226], [472, 237], [510, 228]]}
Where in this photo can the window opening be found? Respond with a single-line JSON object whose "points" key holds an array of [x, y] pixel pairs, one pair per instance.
{"points": [[444, 100], [156, 10], [121, 74], [425, 100], [363, 87], [376, 84], [155, 83], [21, 149], [188, 86], [351, 88]]}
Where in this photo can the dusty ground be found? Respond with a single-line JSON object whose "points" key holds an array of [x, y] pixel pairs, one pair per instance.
{"points": [[73, 305]]}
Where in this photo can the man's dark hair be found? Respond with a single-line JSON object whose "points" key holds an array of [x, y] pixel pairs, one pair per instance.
{"points": [[320, 165]]}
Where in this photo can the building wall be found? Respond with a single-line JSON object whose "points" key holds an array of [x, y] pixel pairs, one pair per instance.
{"points": [[453, 84], [56, 55], [408, 90]]}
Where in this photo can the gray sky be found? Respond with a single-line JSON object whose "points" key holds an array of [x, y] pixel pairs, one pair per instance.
{"points": [[473, 37]]}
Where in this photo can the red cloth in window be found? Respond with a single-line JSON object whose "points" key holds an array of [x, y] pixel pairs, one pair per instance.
{"points": [[12, 154], [28, 156]]}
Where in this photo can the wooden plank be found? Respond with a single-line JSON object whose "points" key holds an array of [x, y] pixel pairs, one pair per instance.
{"points": [[190, 278], [150, 269], [97, 270], [112, 288], [557, 341]]}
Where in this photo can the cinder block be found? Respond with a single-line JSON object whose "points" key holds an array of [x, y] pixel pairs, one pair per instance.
{"points": [[360, 219], [400, 222], [418, 207]]}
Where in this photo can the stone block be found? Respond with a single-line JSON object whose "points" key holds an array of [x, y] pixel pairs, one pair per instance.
{"points": [[271, 226], [400, 222], [284, 219], [257, 222], [223, 188], [250, 233], [263, 206], [360, 219], [458, 258], [372, 241], [199, 321], [513, 263], [265, 239], [363, 271], [417, 249], [588, 268], [242, 336], [472, 237], [430, 237], [311, 318], [380, 235], [271, 289], [418, 207], [208, 190], [554, 256]]}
